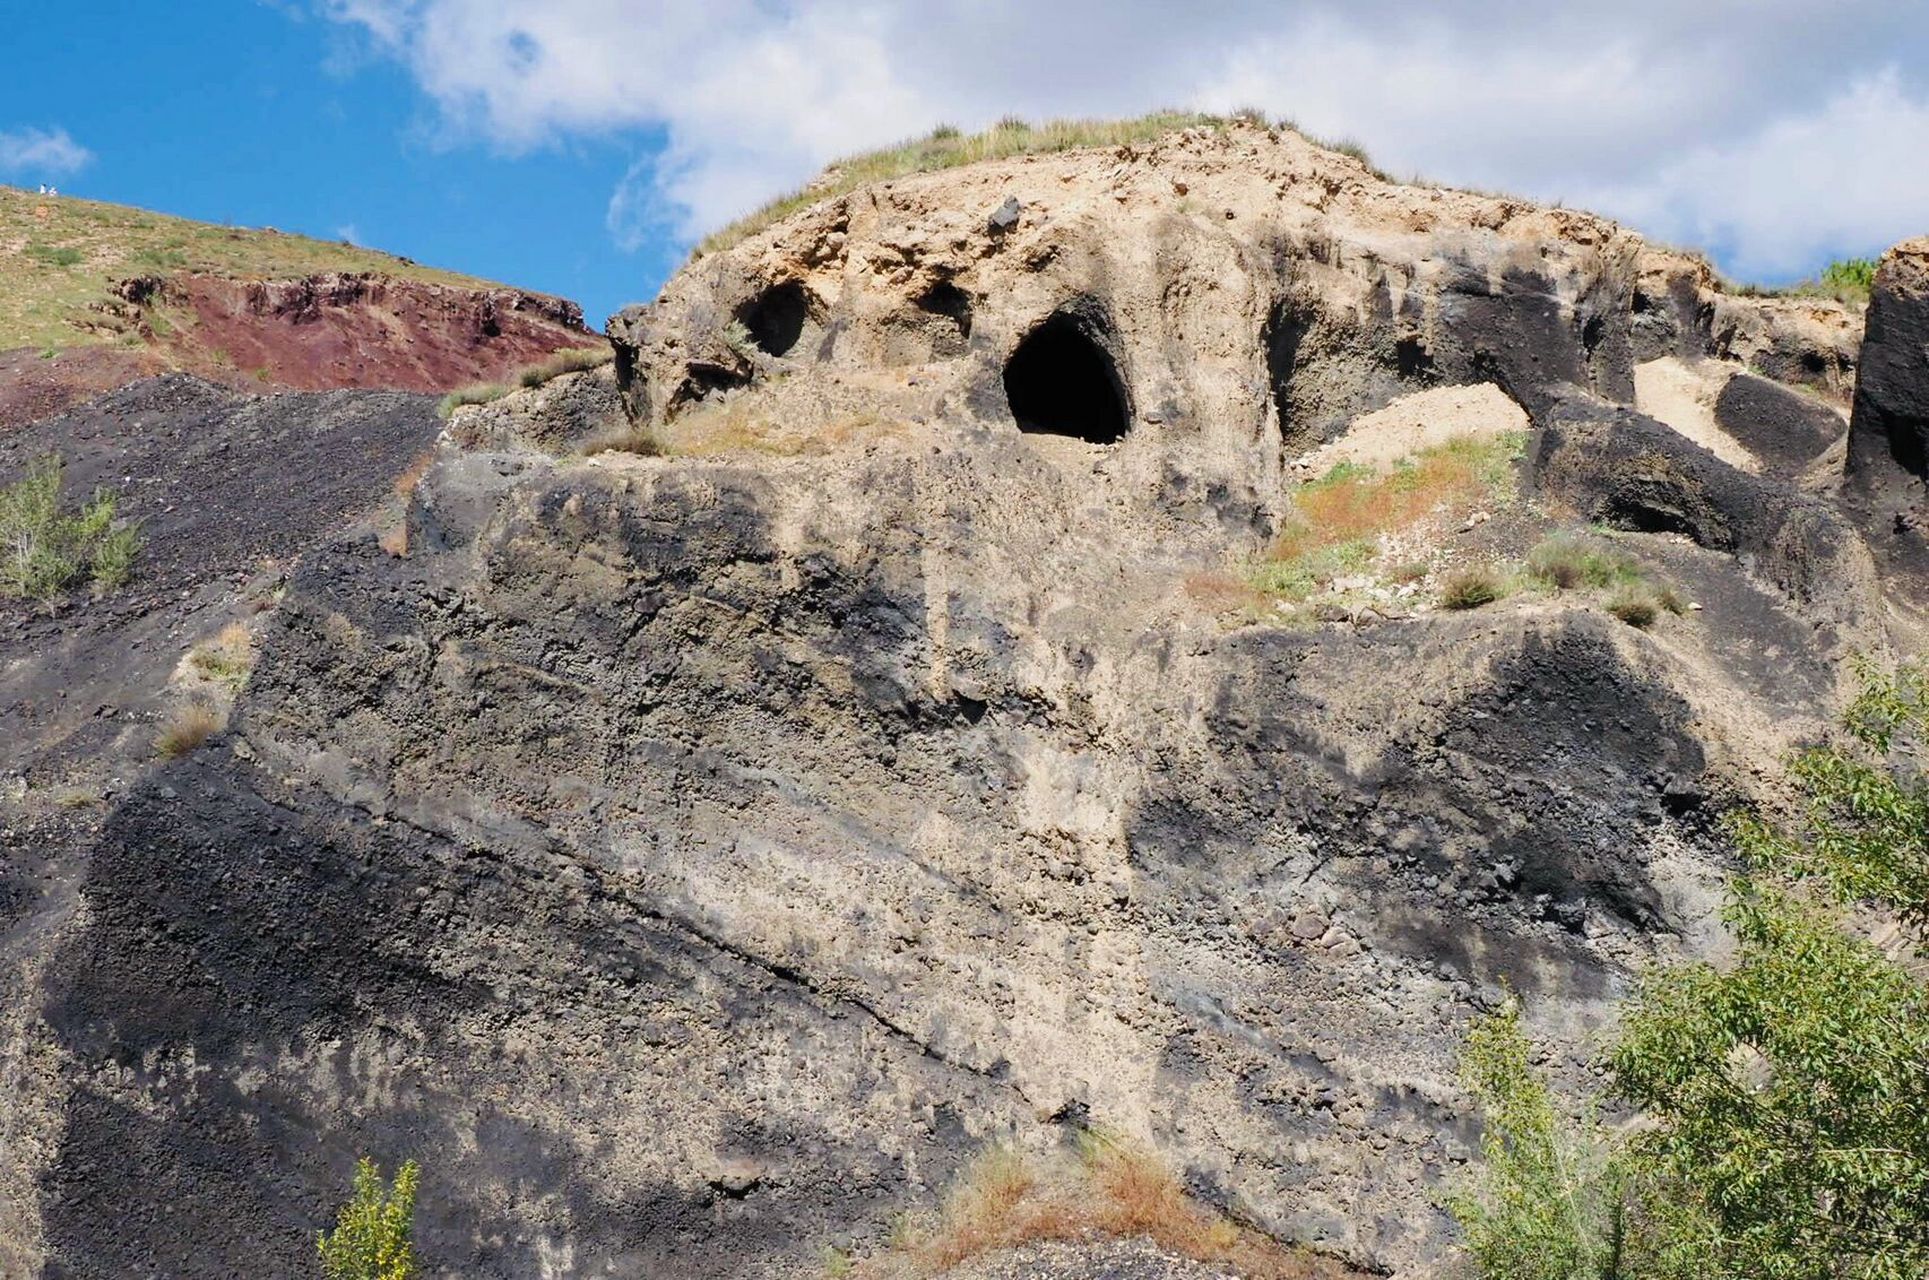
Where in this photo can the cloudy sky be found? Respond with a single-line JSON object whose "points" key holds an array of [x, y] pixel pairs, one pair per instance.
{"points": [[579, 145]]}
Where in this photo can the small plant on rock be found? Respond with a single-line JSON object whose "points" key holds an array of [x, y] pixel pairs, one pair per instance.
{"points": [[1471, 588], [372, 1235]]}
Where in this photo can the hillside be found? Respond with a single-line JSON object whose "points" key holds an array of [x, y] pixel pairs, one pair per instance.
{"points": [[93, 296], [61, 259], [1034, 701]]}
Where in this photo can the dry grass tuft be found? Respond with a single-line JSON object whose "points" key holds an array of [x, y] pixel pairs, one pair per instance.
{"points": [[1472, 587], [567, 360], [228, 658], [187, 729], [1111, 1190], [475, 393], [626, 437]]}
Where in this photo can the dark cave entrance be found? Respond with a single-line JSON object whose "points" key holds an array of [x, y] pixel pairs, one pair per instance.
{"points": [[1061, 382], [776, 317]]}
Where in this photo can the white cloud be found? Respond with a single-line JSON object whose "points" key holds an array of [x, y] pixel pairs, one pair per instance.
{"points": [[41, 153], [1770, 128]]}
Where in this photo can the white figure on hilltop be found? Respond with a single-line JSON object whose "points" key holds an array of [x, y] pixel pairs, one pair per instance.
{"points": [[43, 188]]}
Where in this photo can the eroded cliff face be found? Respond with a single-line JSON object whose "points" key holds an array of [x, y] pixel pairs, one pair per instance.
{"points": [[694, 859]]}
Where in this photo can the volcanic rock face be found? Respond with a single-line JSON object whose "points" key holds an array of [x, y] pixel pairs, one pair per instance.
{"points": [[693, 860]]}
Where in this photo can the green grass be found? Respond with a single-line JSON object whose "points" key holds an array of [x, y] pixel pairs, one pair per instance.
{"points": [[1339, 520], [44, 550], [1564, 562], [946, 148], [60, 257], [475, 393]]}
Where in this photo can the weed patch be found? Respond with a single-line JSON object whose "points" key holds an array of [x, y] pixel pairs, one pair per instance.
{"points": [[1564, 562], [1340, 522], [475, 393]]}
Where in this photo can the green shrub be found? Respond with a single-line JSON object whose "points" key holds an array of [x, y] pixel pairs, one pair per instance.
{"points": [[1545, 1200], [1789, 1088], [371, 1239], [43, 552], [1471, 587], [1850, 279]]}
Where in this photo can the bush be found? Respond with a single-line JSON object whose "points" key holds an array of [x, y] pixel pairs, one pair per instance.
{"points": [[1470, 588], [1545, 1201], [1790, 1088], [44, 552], [1634, 606], [371, 1239]]}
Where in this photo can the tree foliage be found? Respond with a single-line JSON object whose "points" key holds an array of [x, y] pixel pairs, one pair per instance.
{"points": [[1790, 1088], [372, 1235]]}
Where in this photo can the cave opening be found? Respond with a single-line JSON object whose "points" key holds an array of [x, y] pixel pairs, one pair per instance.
{"points": [[776, 317], [1061, 381]]}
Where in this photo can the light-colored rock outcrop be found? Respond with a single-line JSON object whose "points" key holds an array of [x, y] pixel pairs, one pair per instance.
{"points": [[694, 859]]}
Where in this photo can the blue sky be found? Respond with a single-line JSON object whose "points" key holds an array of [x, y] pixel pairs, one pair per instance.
{"points": [[262, 116], [577, 146]]}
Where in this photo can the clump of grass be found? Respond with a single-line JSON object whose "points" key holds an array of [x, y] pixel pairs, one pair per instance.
{"points": [[44, 551], [1471, 588], [737, 336], [1566, 563], [227, 658], [55, 256], [626, 437], [567, 360], [1634, 607], [1110, 1188], [187, 729], [475, 393]]}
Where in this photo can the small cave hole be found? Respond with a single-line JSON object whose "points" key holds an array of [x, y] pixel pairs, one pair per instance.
{"points": [[1286, 330], [776, 317], [948, 300], [1060, 381]]}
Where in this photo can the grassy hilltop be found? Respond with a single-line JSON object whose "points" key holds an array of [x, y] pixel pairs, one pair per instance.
{"points": [[60, 255]]}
